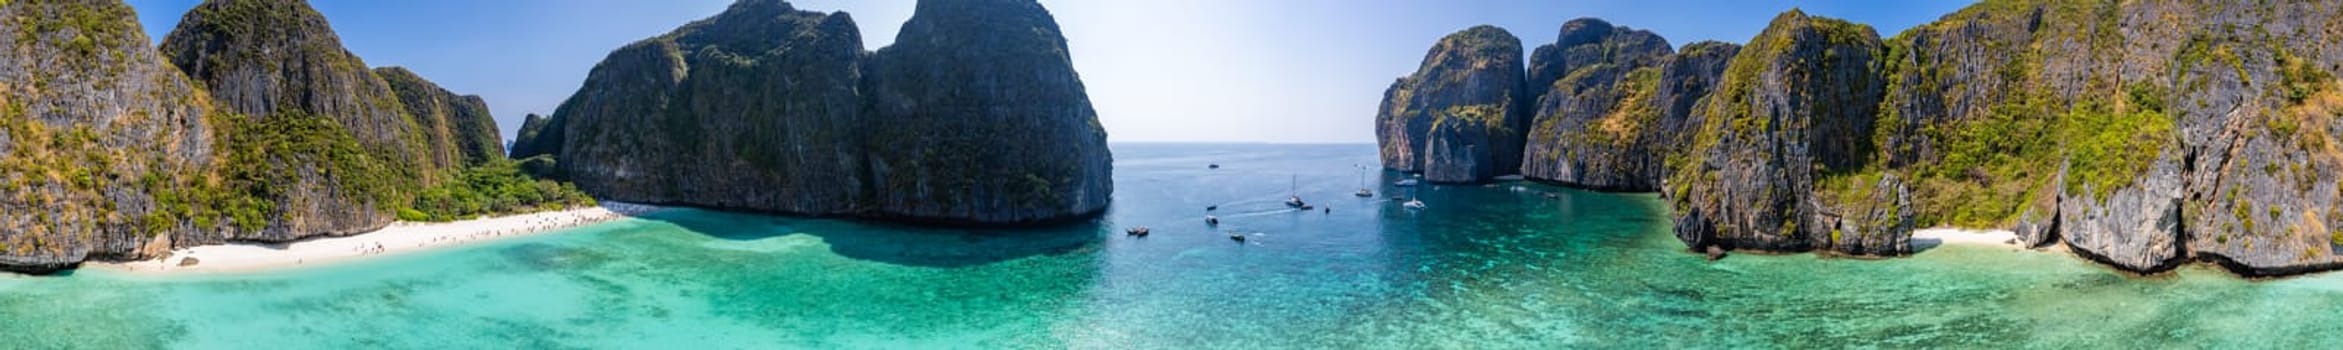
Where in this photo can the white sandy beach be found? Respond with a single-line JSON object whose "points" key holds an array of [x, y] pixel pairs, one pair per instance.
{"points": [[1939, 236], [399, 237]]}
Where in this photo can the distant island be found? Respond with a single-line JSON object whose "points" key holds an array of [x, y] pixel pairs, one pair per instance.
{"points": [[252, 124], [2140, 135]]}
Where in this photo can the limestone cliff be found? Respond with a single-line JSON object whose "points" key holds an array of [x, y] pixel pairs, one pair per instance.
{"points": [[278, 63], [975, 116], [533, 139], [113, 152], [1790, 122], [457, 129], [2141, 134], [98, 137], [755, 108], [1459, 118], [1591, 42], [1600, 123]]}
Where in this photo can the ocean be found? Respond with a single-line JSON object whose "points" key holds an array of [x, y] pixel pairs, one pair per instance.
{"points": [[1480, 267]]}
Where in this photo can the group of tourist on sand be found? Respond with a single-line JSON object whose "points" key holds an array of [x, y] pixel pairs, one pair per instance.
{"points": [[529, 225]]}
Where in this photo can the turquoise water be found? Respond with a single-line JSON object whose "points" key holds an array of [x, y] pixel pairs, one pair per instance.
{"points": [[1482, 268]]}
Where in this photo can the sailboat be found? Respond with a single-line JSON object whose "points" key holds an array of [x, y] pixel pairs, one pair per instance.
{"points": [[1293, 197], [1363, 191]]}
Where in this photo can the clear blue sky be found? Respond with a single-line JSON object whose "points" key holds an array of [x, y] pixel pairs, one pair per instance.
{"points": [[1158, 70]]}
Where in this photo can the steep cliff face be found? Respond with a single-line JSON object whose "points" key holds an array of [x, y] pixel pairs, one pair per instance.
{"points": [[1600, 124], [539, 135], [2015, 114], [423, 102], [984, 118], [975, 116], [1459, 118], [1772, 165], [457, 129], [755, 108], [274, 60], [1624, 143], [2141, 134], [98, 135], [1589, 42], [1686, 80], [2259, 109], [113, 152]]}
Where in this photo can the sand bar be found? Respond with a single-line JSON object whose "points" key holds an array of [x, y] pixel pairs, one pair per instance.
{"points": [[1935, 236]]}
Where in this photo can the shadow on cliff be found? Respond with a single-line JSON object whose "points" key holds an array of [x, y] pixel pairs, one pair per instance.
{"points": [[897, 243]]}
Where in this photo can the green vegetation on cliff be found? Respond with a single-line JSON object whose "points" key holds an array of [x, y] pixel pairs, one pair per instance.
{"points": [[1988, 168], [1625, 125], [257, 125], [87, 109], [1738, 108], [267, 156], [1785, 154], [61, 171], [498, 187], [456, 130], [2143, 134], [93, 29], [1733, 104], [269, 59]]}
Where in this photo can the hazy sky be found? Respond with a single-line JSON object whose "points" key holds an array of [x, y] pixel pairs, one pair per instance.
{"points": [[1186, 70]]}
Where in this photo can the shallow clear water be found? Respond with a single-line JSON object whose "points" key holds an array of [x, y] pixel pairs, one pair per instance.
{"points": [[1482, 268]]}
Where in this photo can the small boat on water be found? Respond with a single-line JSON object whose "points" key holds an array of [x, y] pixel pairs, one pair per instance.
{"points": [[1212, 208], [1293, 197], [1136, 231], [1405, 183], [1212, 220], [1363, 191], [1412, 201], [1236, 237], [1213, 166]]}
